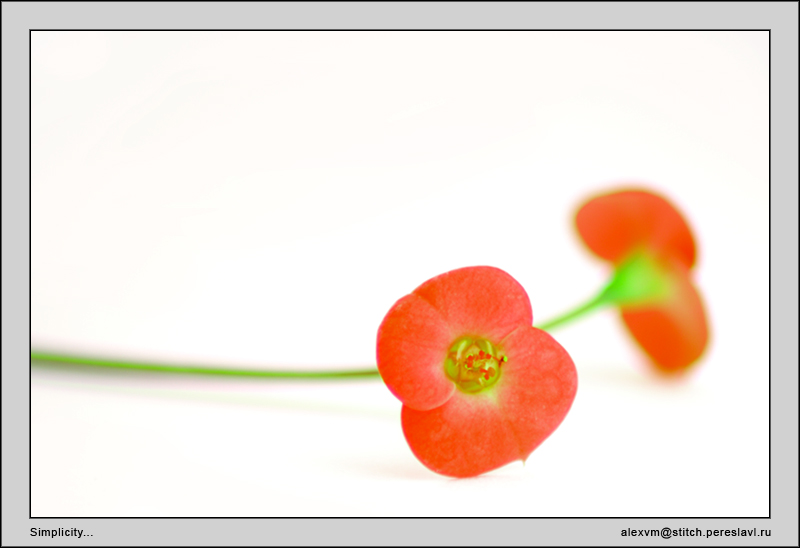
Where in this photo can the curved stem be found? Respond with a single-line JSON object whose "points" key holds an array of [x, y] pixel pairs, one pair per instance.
{"points": [[198, 370], [638, 280], [592, 304]]}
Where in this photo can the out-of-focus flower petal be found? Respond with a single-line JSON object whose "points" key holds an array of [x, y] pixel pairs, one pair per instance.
{"points": [[675, 332], [628, 226], [614, 224]]}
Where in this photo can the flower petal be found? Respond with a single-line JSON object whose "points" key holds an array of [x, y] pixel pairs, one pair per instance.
{"points": [[482, 301], [467, 436], [674, 333], [540, 385], [614, 225], [475, 433], [413, 341]]}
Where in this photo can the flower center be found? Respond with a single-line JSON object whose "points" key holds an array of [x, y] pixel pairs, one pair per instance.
{"points": [[473, 364]]}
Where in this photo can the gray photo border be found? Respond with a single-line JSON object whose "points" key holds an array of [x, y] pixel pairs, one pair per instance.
{"points": [[781, 18]]}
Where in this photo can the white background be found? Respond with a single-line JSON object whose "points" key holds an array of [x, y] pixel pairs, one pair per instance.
{"points": [[262, 199]]}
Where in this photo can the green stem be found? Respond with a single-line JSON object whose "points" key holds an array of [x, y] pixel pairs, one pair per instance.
{"points": [[195, 370], [592, 304], [636, 281]]}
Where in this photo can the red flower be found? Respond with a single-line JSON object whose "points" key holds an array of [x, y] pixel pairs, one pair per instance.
{"points": [[480, 386], [653, 251]]}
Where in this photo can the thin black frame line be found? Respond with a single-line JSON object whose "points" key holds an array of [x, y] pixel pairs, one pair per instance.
{"points": [[30, 273], [769, 268], [30, 243], [402, 517], [398, 30]]}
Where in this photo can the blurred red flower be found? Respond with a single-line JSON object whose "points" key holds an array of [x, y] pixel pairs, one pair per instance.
{"points": [[653, 252], [480, 386]]}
